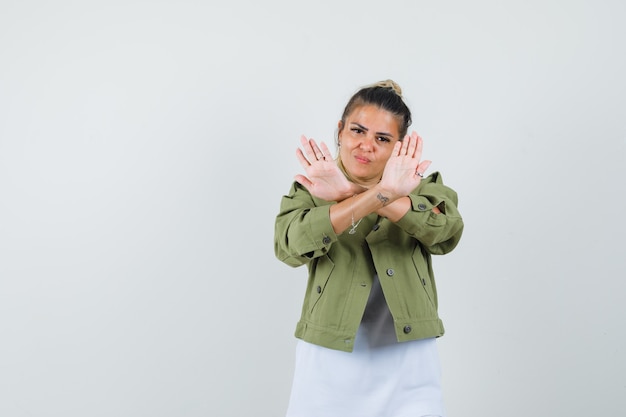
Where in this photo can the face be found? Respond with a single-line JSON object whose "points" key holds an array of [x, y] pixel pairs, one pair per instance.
{"points": [[367, 140]]}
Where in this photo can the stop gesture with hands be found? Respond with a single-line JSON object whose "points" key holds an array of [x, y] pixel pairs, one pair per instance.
{"points": [[323, 177], [404, 169]]}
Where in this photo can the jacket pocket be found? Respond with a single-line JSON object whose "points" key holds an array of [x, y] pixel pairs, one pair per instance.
{"points": [[320, 274], [420, 261]]}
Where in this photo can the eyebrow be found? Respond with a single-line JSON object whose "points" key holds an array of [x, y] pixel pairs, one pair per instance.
{"points": [[367, 130]]}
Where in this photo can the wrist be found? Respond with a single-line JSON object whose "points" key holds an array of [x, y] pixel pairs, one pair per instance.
{"points": [[351, 190], [384, 196]]}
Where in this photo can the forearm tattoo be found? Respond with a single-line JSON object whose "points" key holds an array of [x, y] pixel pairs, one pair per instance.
{"points": [[382, 199]]}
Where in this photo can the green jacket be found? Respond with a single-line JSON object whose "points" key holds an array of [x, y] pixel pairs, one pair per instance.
{"points": [[342, 267]]}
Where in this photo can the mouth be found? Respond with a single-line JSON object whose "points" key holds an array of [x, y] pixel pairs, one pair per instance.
{"points": [[361, 159]]}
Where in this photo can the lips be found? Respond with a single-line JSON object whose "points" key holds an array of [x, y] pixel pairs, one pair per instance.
{"points": [[361, 159]]}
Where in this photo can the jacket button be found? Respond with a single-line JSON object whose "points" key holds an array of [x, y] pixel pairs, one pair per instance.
{"points": [[376, 227], [326, 240], [390, 272], [421, 206], [407, 329], [319, 289]]}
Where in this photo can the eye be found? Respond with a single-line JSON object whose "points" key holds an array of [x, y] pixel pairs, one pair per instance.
{"points": [[384, 139], [357, 130]]}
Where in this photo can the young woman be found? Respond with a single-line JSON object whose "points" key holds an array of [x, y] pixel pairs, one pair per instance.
{"points": [[366, 225]]}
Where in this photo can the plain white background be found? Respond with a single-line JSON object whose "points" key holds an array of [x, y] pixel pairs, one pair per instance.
{"points": [[145, 145]]}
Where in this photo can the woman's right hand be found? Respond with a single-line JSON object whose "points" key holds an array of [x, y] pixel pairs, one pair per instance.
{"points": [[323, 177]]}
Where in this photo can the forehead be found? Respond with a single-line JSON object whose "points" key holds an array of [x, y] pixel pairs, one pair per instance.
{"points": [[375, 119]]}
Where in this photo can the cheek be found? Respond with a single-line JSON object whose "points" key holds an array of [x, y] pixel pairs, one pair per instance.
{"points": [[343, 151], [385, 155], [346, 143]]}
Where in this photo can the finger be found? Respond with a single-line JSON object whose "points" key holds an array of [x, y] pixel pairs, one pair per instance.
{"points": [[303, 161], [316, 149], [317, 153], [320, 155], [419, 147], [421, 168], [396, 148], [303, 180], [412, 145], [325, 151], [405, 144], [307, 145], [417, 150]]}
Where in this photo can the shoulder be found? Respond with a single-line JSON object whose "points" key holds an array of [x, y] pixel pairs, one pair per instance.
{"points": [[433, 185]]}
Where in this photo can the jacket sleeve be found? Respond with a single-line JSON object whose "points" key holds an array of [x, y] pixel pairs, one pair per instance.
{"points": [[438, 233], [302, 230]]}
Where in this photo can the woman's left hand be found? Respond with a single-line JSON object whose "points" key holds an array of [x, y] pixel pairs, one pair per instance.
{"points": [[404, 169], [323, 177]]}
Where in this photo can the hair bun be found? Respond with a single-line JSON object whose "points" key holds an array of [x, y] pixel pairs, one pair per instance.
{"points": [[391, 84]]}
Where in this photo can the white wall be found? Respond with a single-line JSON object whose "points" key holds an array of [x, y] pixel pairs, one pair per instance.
{"points": [[144, 148]]}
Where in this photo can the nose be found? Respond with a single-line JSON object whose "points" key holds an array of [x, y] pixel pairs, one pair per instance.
{"points": [[367, 143]]}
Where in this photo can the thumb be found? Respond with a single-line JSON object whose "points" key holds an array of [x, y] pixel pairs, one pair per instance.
{"points": [[301, 179]]}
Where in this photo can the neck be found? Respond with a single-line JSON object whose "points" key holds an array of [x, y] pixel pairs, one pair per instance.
{"points": [[365, 184]]}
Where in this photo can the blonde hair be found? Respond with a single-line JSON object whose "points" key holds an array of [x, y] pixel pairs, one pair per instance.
{"points": [[388, 84]]}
